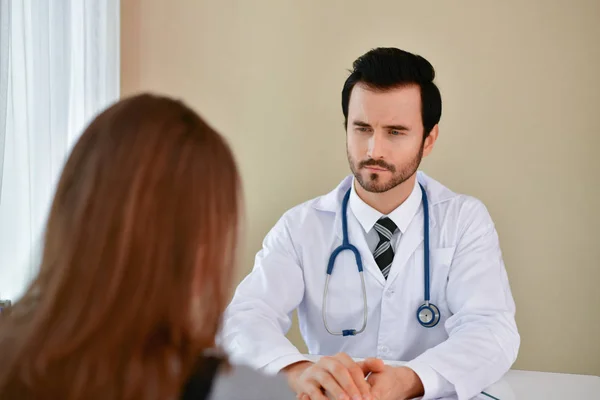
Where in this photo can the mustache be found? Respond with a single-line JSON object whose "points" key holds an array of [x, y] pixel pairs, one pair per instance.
{"points": [[376, 163]]}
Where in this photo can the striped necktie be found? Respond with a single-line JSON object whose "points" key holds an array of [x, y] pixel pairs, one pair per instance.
{"points": [[384, 254]]}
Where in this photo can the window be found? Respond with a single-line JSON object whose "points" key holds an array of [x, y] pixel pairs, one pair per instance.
{"points": [[59, 66]]}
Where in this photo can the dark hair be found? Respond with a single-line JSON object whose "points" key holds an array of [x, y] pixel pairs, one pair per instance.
{"points": [[145, 213], [387, 68]]}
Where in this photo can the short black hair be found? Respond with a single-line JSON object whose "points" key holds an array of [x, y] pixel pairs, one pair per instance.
{"points": [[387, 68]]}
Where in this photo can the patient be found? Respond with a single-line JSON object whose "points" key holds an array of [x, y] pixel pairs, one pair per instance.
{"points": [[136, 268]]}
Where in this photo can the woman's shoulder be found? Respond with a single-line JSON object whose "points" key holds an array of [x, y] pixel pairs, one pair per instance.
{"points": [[244, 383], [214, 379]]}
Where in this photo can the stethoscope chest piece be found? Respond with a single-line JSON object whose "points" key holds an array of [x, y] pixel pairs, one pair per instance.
{"points": [[428, 315]]}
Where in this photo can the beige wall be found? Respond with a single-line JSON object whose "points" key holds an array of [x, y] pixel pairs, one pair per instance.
{"points": [[521, 92]]}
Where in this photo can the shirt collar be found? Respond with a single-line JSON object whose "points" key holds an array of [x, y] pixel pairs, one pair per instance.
{"points": [[402, 215]]}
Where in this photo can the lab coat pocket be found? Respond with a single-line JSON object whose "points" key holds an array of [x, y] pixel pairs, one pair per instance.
{"points": [[440, 261]]}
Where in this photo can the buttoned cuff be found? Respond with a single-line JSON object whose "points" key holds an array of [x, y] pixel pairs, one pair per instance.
{"points": [[435, 385]]}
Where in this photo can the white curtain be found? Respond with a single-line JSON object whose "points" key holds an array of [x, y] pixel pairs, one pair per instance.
{"points": [[59, 66]]}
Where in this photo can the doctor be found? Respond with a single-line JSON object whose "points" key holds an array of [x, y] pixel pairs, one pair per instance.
{"points": [[419, 277]]}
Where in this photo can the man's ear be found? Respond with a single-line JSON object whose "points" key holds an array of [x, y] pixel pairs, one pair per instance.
{"points": [[430, 141]]}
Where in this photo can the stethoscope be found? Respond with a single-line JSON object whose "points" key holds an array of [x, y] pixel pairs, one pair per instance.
{"points": [[428, 314]]}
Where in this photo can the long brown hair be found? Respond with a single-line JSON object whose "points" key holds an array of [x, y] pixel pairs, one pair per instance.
{"points": [[137, 261]]}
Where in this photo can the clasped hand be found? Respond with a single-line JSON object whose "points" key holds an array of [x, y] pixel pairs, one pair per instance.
{"points": [[339, 377]]}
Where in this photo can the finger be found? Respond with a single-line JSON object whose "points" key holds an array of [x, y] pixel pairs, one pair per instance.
{"points": [[372, 365], [313, 392], [357, 375], [330, 396], [343, 377], [331, 383], [317, 393], [373, 381]]}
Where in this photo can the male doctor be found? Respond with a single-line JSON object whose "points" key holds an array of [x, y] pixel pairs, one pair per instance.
{"points": [[391, 108]]}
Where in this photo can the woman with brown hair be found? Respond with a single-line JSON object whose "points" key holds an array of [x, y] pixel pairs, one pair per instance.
{"points": [[136, 268]]}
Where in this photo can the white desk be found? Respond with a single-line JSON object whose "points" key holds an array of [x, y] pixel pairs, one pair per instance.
{"points": [[531, 385], [547, 386]]}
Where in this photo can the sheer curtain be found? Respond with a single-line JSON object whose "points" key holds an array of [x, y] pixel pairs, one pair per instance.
{"points": [[59, 66]]}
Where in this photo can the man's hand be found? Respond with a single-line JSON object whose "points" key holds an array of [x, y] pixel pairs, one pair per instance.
{"points": [[338, 377], [395, 383]]}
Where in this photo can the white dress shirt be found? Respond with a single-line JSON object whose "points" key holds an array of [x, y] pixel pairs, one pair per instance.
{"points": [[368, 216]]}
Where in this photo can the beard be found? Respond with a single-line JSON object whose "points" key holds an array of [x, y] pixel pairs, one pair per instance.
{"points": [[372, 181]]}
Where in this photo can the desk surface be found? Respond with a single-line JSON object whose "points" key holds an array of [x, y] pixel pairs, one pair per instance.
{"points": [[532, 385], [548, 386]]}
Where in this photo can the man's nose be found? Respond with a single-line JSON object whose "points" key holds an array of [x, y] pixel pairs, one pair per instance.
{"points": [[376, 146]]}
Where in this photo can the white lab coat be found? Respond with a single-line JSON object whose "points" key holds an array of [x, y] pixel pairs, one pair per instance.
{"points": [[476, 340]]}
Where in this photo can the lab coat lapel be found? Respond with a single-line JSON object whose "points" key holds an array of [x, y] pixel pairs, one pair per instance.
{"points": [[358, 239], [412, 239]]}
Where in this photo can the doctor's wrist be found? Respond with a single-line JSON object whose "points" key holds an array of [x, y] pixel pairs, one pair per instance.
{"points": [[296, 369], [410, 382]]}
